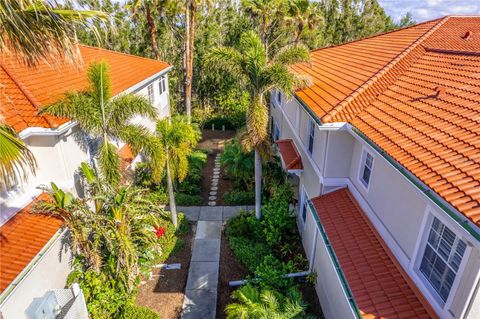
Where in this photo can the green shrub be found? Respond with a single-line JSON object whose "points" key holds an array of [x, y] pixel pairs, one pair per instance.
{"points": [[187, 187], [170, 242], [183, 199], [219, 122], [238, 165], [278, 221], [239, 198], [134, 312], [270, 273], [158, 196], [244, 225], [249, 252]]}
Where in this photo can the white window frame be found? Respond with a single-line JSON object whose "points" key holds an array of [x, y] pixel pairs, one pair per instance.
{"points": [[310, 129], [162, 86], [151, 93], [363, 163], [419, 278], [303, 203]]}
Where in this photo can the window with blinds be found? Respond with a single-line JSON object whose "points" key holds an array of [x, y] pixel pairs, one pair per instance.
{"points": [[151, 96], [442, 257]]}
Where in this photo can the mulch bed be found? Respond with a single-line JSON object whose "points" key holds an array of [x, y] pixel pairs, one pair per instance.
{"points": [[230, 269], [164, 293], [212, 141]]}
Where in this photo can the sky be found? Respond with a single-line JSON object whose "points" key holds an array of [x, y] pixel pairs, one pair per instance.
{"points": [[423, 10]]}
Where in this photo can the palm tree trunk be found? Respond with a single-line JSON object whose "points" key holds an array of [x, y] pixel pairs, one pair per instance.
{"points": [[152, 30], [258, 184], [171, 196], [189, 47]]}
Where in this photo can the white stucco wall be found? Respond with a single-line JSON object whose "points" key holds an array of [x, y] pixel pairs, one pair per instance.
{"points": [[49, 273], [396, 207]]}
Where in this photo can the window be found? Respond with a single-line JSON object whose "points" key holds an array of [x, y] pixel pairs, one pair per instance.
{"points": [[366, 169], [162, 85], [276, 132], [311, 136], [303, 209], [441, 259], [279, 97], [151, 95]]}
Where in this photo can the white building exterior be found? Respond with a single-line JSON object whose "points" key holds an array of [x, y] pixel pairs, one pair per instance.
{"points": [[401, 208], [59, 156]]}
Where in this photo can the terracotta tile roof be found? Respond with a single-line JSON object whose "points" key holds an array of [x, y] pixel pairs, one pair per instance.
{"points": [[21, 239], [289, 153], [25, 89], [126, 154], [379, 285], [423, 109]]}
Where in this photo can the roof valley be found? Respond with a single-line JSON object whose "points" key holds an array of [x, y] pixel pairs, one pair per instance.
{"points": [[383, 78]]}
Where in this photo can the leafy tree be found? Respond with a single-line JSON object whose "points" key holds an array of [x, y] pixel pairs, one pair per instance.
{"points": [[105, 119], [303, 14], [16, 160], [35, 30], [258, 76], [253, 303], [176, 139]]}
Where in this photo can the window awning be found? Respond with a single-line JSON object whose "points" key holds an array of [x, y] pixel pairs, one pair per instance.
{"points": [[291, 159]]}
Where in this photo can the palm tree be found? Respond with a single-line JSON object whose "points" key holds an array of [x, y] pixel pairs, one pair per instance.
{"points": [[16, 160], [176, 139], [148, 7], [256, 304], [105, 119], [303, 13], [34, 30], [238, 164], [257, 76]]}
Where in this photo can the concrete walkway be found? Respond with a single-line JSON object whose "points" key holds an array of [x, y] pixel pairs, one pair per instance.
{"points": [[201, 290]]}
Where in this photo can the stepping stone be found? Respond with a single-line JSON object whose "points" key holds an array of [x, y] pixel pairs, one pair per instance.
{"points": [[212, 203], [213, 193], [200, 303], [212, 198], [216, 175], [214, 188], [209, 229], [216, 169], [206, 250], [211, 213], [202, 275], [215, 180], [214, 184]]}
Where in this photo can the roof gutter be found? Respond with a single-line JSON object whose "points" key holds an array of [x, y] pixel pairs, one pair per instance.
{"points": [[459, 218], [41, 131]]}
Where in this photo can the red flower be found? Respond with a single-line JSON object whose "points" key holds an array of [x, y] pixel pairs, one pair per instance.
{"points": [[159, 231]]}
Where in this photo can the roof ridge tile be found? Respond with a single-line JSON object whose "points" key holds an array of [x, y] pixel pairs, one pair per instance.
{"points": [[331, 116]]}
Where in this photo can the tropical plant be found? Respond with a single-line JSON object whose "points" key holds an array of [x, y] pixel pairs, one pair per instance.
{"points": [[238, 164], [258, 76], [253, 303], [303, 13], [34, 30], [176, 139], [105, 119], [16, 160]]}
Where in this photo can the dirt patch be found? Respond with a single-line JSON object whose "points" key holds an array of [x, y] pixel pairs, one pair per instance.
{"points": [[214, 142], [164, 293], [230, 269]]}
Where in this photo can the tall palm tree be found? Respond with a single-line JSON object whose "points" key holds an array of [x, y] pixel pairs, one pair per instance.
{"points": [[303, 13], [34, 30], [105, 119], [262, 304], [258, 76], [148, 8], [176, 139], [16, 160]]}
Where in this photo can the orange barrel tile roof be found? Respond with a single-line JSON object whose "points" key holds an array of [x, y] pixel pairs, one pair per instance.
{"points": [[415, 93], [289, 153], [379, 285], [24, 90], [22, 238]]}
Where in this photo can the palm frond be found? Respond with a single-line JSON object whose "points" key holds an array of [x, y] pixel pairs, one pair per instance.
{"points": [[124, 107], [226, 59], [99, 80], [109, 163], [33, 30], [292, 54], [16, 160]]}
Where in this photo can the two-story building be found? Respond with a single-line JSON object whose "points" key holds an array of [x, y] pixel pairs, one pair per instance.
{"points": [[34, 251], [385, 148]]}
